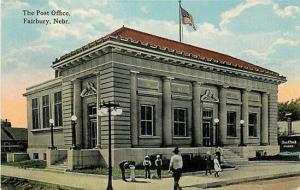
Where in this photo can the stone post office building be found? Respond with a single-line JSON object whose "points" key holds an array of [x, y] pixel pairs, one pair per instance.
{"points": [[170, 93]]}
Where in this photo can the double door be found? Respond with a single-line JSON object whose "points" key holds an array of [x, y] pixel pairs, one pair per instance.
{"points": [[92, 125], [207, 127]]}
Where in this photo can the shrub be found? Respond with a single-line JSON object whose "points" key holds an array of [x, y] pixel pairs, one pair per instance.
{"points": [[277, 157], [29, 164]]}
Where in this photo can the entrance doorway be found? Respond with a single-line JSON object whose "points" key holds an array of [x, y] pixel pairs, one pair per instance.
{"points": [[207, 128], [92, 125]]}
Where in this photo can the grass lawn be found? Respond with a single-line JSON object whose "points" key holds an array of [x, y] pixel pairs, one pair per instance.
{"points": [[117, 172], [28, 164]]}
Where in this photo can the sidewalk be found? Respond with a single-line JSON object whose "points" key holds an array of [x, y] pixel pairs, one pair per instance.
{"points": [[255, 171]]}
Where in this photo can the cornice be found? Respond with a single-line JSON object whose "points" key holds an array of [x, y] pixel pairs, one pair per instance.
{"points": [[165, 56]]}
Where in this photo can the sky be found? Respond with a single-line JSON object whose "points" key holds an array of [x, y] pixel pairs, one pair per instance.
{"points": [[263, 32]]}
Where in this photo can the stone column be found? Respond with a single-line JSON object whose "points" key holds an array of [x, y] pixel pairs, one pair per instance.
{"points": [[134, 109], [98, 116], [197, 123], [223, 115], [167, 112], [264, 119], [245, 114], [77, 110]]}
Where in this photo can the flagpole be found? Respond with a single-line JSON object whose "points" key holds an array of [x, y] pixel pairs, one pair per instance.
{"points": [[179, 1]]}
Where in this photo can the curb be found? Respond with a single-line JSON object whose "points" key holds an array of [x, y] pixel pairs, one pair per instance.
{"points": [[243, 180]]}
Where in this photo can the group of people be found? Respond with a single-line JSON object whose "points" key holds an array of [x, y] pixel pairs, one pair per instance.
{"points": [[213, 162], [147, 164], [175, 167]]}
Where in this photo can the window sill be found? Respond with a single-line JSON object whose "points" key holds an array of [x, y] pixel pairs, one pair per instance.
{"points": [[149, 137], [253, 137], [183, 138], [232, 137], [46, 129]]}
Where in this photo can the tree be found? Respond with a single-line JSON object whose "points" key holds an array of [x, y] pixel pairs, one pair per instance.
{"points": [[292, 106], [5, 123]]}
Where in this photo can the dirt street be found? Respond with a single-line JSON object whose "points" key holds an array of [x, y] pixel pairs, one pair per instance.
{"points": [[292, 183]]}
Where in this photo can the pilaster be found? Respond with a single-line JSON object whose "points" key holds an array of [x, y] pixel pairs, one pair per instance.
{"points": [[77, 110], [223, 114], [167, 112], [265, 119], [133, 108], [197, 121], [98, 116], [245, 114]]}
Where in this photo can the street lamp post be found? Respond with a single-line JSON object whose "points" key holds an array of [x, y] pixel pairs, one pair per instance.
{"points": [[73, 123], [109, 108], [216, 121], [242, 132], [289, 122], [51, 121]]}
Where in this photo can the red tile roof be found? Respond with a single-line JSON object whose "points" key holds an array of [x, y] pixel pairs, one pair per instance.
{"points": [[179, 47], [153, 40]]}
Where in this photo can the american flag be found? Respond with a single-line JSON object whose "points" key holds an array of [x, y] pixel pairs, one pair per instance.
{"points": [[187, 18]]}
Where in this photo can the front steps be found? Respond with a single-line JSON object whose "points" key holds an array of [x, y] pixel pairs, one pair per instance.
{"points": [[60, 166], [232, 158]]}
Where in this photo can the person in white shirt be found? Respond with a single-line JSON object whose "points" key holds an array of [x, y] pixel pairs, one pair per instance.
{"points": [[217, 166], [132, 171], [176, 167], [147, 165]]}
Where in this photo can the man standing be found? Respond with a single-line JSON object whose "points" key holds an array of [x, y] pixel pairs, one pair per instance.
{"points": [[158, 164], [123, 165], [176, 167], [208, 163], [147, 164]]}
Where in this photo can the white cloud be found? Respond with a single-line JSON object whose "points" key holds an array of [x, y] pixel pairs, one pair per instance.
{"points": [[289, 11], [15, 55], [227, 16], [297, 28], [285, 41], [144, 10], [256, 54], [9, 5]]}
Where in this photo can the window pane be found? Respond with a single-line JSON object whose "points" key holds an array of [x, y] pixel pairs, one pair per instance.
{"points": [[143, 128], [149, 113], [181, 115], [175, 114], [143, 112], [176, 131], [181, 129], [149, 128]]}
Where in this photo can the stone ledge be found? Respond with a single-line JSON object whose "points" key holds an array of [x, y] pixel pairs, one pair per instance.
{"points": [[246, 179]]}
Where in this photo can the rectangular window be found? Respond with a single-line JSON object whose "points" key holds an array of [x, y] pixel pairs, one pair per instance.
{"points": [[35, 113], [147, 120], [231, 124], [252, 124], [35, 156], [207, 114], [180, 124], [57, 109], [46, 111]]}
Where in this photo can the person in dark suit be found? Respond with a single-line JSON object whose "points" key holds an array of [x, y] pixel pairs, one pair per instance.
{"points": [[158, 164], [123, 165], [208, 163]]}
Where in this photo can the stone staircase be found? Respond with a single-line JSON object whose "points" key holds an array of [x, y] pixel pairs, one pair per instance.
{"points": [[60, 166], [232, 158]]}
